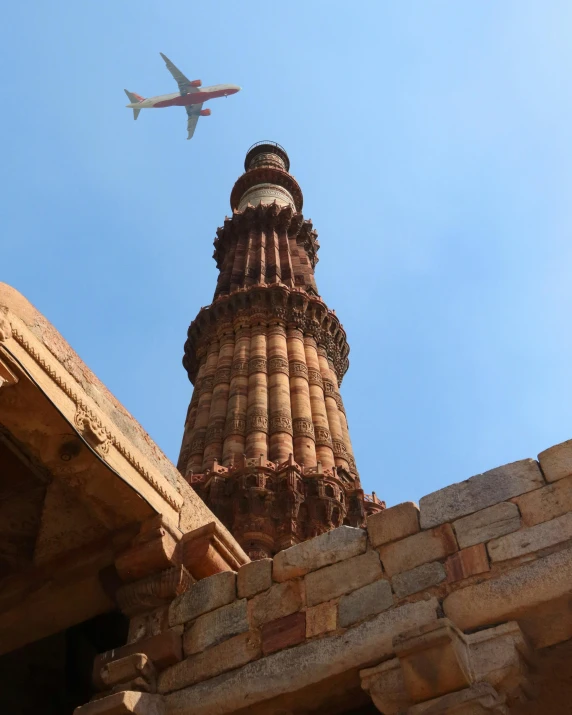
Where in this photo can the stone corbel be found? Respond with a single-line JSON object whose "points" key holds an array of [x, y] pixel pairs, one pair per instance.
{"points": [[134, 672], [208, 550], [7, 377], [439, 670]]}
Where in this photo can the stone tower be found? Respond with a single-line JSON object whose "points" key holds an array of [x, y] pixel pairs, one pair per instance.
{"points": [[266, 442]]}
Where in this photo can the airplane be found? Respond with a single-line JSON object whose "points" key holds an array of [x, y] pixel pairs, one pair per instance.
{"points": [[190, 96]]}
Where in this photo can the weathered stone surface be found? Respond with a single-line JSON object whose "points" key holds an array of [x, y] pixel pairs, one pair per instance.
{"points": [[467, 562], [305, 665], [497, 520], [124, 703], [499, 655], [418, 549], [162, 650], [215, 627], [147, 557], [254, 578], [230, 654], [547, 503], [321, 619], [386, 687], [127, 669], [323, 550], [533, 538], [393, 524], [366, 601], [479, 492], [203, 596], [343, 577], [283, 633], [280, 600], [513, 593], [434, 658], [556, 462], [418, 579], [479, 698]]}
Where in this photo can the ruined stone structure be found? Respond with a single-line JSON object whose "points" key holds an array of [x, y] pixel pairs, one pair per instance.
{"points": [[266, 441]]}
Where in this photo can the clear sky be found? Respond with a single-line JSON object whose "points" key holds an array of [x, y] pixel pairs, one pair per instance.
{"points": [[432, 141]]}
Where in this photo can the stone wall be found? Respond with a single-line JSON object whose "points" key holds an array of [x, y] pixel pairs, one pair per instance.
{"points": [[447, 601]]}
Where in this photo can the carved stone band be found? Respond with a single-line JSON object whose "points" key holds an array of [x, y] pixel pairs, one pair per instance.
{"points": [[280, 423], [207, 384], [303, 427], [257, 421], [315, 377], [214, 432], [257, 364], [278, 364], [323, 436], [298, 369], [198, 442], [236, 425], [222, 376], [340, 449], [239, 367]]}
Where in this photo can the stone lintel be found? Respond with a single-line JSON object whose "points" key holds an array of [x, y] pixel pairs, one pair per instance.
{"points": [[209, 550]]}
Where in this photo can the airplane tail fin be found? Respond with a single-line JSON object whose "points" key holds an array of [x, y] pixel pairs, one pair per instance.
{"points": [[134, 98]]}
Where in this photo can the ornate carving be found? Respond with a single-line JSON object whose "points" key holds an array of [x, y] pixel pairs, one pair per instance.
{"points": [[323, 436], [315, 377], [303, 427], [153, 591], [236, 425], [5, 329], [222, 375], [257, 364], [298, 369], [280, 423], [339, 449], [257, 420], [206, 384], [329, 388], [214, 432], [278, 364], [239, 367], [197, 445], [92, 429], [339, 403]]}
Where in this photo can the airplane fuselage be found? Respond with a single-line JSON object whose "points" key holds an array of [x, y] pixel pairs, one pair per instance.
{"points": [[182, 100]]}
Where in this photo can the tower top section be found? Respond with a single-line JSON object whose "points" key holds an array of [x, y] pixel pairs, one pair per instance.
{"points": [[266, 179]]}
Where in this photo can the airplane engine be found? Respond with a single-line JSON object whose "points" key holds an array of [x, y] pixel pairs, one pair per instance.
{"points": [[196, 83], [205, 112]]}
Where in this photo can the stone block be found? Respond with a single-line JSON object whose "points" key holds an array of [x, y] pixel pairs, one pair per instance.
{"points": [[496, 520], [329, 548], [124, 703], [146, 625], [480, 492], [321, 619], [202, 597], [547, 503], [467, 562], [343, 577], [418, 549], [434, 658], [386, 687], [279, 601], [532, 538], [162, 650], [127, 669], [146, 558], [254, 578], [215, 627], [418, 579], [231, 654], [291, 670], [153, 591], [393, 524], [479, 699], [283, 633], [365, 602], [512, 594], [556, 462]]}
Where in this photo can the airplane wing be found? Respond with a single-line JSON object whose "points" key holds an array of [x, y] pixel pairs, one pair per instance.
{"points": [[180, 79], [194, 112]]}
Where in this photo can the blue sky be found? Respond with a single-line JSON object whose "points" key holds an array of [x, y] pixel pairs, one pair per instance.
{"points": [[432, 141]]}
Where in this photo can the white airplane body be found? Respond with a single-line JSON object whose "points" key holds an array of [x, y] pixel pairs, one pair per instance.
{"points": [[190, 95]]}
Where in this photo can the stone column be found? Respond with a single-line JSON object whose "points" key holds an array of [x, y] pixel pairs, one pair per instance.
{"points": [[188, 432], [219, 401], [235, 427], [280, 440], [257, 412], [343, 421], [302, 425], [324, 449], [205, 387], [330, 389]]}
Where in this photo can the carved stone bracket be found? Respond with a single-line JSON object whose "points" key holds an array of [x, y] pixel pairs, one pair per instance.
{"points": [[208, 550], [438, 670]]}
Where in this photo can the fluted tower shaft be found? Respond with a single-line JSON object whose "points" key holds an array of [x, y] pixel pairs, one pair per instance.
{"points": [[266, 442]]}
